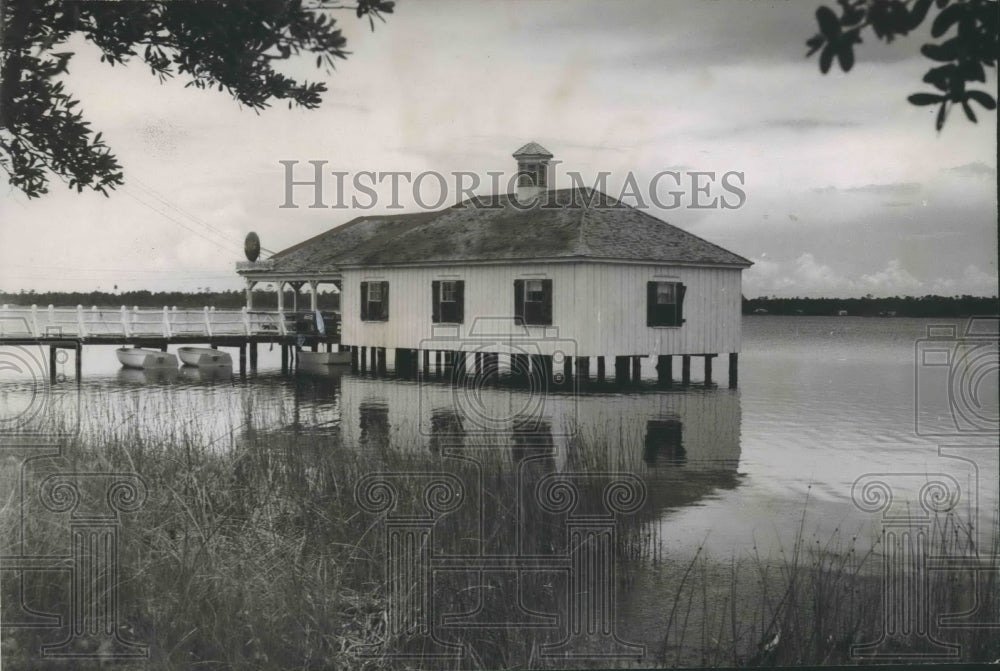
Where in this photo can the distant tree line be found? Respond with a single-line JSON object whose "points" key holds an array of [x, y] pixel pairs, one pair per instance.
{"points": [[264, 300], [868, 306]]}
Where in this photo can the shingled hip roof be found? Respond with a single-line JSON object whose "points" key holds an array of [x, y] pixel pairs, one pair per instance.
{"points": [[532, 149], [566, 224]]}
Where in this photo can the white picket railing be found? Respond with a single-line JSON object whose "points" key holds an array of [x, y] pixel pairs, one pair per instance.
{"points": [[94, 322]]}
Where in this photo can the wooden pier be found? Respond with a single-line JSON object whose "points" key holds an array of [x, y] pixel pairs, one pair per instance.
{"points": [[74, 328], [62, 329]]}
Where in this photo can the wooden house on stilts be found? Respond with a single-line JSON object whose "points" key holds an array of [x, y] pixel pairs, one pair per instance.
{"points": [[559, 283]]}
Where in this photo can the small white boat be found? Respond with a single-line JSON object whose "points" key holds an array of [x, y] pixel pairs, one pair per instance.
{"points": [[204, 356], [138, 357], [308, 358]]}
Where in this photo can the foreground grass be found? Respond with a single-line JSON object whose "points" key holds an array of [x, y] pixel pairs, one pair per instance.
{"points": [[252, 552]]}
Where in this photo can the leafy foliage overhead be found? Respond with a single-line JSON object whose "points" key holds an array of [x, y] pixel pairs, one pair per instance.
{"points": [[968, 29], [231, 45]]}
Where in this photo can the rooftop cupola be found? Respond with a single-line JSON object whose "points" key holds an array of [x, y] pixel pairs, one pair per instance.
{"points": [[532, 170]]}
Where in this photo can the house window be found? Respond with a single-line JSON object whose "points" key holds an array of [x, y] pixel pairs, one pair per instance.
{"points": [[448, 302], [374, 301], [533, 302], [664, 303], [664, 442]]}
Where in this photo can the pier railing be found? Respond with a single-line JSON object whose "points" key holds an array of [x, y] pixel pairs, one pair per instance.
{"points": [[166, 322]]}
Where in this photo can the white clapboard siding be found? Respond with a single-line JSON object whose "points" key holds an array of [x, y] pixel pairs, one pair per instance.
{"points": [[599, 309]]}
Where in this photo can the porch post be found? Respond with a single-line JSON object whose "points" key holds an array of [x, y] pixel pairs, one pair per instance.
{"points": [[315, 299], [250, 285]]}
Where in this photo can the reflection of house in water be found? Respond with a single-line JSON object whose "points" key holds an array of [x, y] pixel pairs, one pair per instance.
{"points": [[684, 444], [664, 442]]}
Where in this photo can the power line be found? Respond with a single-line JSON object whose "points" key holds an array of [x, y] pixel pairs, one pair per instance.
{"points": [[228, 246], [177, 208]]}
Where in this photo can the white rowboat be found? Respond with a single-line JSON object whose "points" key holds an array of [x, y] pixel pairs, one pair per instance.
{"points": [[204, 356], [324, 358], [138, 357]]}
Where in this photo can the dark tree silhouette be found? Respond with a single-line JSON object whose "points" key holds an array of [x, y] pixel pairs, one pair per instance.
{"points": [[229, 45], [969, 29]]}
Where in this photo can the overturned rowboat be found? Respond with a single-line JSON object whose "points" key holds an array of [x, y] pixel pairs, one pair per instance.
{"points": [[139, 357], [324, 358], [204, 356]]}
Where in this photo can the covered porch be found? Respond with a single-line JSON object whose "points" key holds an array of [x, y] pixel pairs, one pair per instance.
{"points": [[291, 301]]}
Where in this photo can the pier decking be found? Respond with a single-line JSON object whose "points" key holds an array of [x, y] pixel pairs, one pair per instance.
{"points": [[73, 328]]}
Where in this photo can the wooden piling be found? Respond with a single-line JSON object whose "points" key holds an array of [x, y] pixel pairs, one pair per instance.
{"points": [[733, 370], [381, 361], [621, 369], [52, 364], [519, 367], [243, 359], [708, 368], [636, 369], [600, 369], [491, 366], [582, 370], [568, 370], [458, 362], [427, 362], [253, 356], [665, 369], [78, 361], [686, 369], [284, 358]]}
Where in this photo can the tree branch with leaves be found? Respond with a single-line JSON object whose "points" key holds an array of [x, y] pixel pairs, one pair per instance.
{"points": [[232, 46], [969, 29]]}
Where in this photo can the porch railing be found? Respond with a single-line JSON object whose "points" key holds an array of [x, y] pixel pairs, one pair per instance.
{"points": [[165, 322]]}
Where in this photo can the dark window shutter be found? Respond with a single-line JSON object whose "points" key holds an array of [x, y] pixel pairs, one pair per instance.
{"points": [[651, 316], [436, 302], [547, 302], [681, 289], [385, 301], [364, 301], [519, 301], [460, 301]]}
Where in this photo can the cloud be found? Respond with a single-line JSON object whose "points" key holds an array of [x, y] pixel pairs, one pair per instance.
{"points": [[896, 189], [973, 281], [808, 124], [976, 168], [808, 276], [891, 281]]}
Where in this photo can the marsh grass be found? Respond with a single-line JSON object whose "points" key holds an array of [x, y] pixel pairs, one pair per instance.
{"points": [[821, 600], [251, 552]]}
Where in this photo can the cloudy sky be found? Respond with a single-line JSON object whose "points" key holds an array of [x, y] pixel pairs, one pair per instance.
{"points": [[849, 190]]}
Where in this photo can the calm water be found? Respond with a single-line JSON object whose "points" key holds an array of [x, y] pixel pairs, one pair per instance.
{"points": [[822, 402]]}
